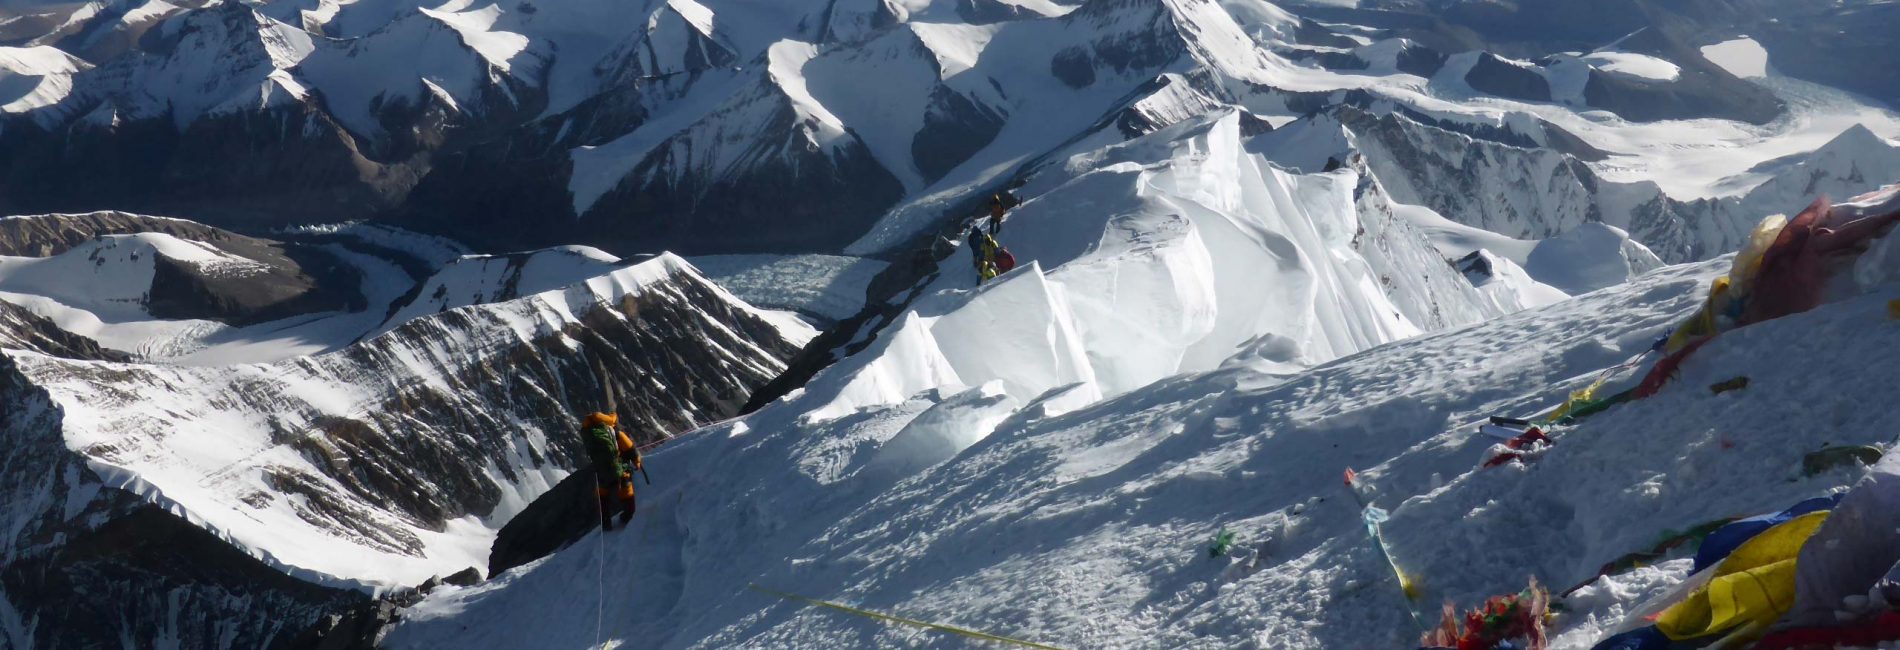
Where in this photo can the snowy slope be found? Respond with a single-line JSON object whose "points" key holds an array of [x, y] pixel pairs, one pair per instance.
{"points": [[300, 463], [1166, 254], [1088, 528], [481, 279], [34, 77]]}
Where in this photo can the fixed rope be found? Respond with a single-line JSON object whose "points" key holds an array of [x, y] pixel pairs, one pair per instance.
{"points": [[854, 611], [600, 576]]}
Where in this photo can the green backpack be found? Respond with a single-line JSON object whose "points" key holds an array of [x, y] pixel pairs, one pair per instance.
{"points": [[603, 447]]}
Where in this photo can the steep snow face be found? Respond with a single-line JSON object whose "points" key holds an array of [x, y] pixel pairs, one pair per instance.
{"points": [[395, 459], [1088, 528], [1167, 254]]}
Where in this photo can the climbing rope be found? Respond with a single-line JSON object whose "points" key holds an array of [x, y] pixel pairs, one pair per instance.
{"points": [[600, 576]]}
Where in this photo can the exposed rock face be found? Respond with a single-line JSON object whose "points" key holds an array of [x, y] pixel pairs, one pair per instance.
{"points": [[565, 514], [1526, 193], [87, 567], [1531, 192], [49, 235], [375, 451], [21, 329]]}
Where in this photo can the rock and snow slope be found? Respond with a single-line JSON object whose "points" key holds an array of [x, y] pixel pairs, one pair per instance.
{"points": [[368, 468], [1086, 525]]}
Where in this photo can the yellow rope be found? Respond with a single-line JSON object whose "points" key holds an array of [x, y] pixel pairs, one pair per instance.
{"points": [[898, 619]]}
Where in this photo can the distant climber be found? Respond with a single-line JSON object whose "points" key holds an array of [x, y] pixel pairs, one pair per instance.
{"points": [[1000, 202], [615, 459], [989, 256]]}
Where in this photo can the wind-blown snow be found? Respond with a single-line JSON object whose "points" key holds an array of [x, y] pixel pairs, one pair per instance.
{"points": [[1742, 57]]}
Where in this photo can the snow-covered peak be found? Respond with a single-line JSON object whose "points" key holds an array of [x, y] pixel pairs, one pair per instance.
{"points": [[444, 56], [1506, 283], [483, 279], [218, 53], [499, 48], [1855, 162]]}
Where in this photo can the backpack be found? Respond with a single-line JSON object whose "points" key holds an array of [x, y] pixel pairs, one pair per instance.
{"points": [[603, 448], [1004, 260]]}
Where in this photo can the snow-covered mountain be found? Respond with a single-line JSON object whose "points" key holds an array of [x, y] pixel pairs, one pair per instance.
{"points": [[271, 494], [735, 126], [1258, 241]]}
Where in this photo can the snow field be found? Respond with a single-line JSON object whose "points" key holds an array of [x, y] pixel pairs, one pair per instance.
{"points": [[1742, 57]]}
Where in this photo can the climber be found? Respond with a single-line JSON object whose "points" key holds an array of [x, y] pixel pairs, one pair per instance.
{"points": [[989, 256], [982, 252], [1000, 202], [611, 450]]}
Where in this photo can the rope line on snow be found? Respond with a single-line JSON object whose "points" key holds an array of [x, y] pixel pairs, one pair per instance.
{"points": [[600, 576], [973, 634]]}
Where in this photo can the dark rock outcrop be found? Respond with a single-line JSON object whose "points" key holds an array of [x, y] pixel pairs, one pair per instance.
{"points": [[559, 518], [21, 329]]}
